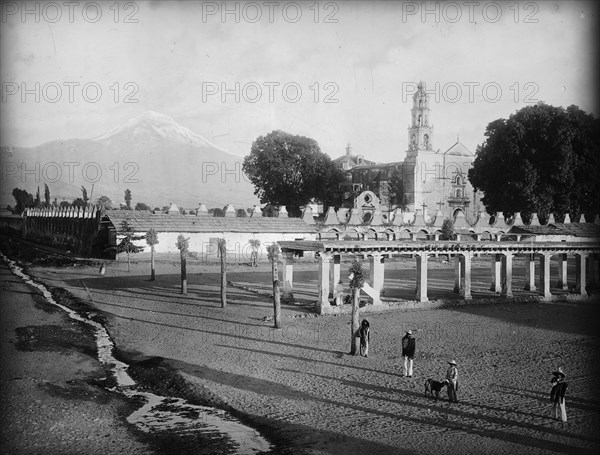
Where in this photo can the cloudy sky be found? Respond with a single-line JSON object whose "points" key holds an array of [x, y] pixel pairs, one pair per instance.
{"points": [[338, 72]]}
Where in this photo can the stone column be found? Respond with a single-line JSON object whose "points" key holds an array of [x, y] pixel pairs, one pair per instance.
{"points": [[465, 285], [458, 267], [496, 268], [545, 276], [562, 271], [324, 264], [581, 274], [507, 274], [334, 277], [422, 277], [530, 272], [376, 272], [288, 276]]}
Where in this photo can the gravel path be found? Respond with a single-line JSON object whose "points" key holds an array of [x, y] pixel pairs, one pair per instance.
{"points": [[300, 383]]}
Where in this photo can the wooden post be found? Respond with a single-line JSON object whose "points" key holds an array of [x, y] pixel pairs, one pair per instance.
{"points": [[183, 273], [355, 325], [223, 254], [357, 281], [273, 252], [276, 304], [152, 271]]}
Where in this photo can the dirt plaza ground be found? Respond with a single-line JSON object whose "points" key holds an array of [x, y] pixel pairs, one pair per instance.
{"points": [[300, 383]]}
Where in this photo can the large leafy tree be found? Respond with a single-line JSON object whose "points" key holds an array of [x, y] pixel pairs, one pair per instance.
{"points": [[291, 170], [541, 159], [23, 199]]}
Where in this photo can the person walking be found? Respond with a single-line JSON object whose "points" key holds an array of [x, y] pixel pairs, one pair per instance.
{"points": [[408, 352], [452, 377], [557, 395], [364, 332]]}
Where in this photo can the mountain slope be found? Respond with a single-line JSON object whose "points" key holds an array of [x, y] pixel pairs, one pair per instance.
{"points": [[159, 160]]}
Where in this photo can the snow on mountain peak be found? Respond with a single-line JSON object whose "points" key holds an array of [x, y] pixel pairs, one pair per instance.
{"points": [[151, 123]]}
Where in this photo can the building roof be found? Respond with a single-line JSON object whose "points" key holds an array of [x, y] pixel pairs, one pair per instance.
{"points": [[458, 149], [142, 221], [572, 229], [353, 160]]}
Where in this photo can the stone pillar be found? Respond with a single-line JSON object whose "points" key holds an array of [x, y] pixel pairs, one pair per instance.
{"points": [[562, 271], [581, 274], [376, 272], [465, 285], [324, 264], [545, 276], [496, 268], [422, 277], [507, 274], [458, 267], [288, 275], [530, 272], [334, 277]]}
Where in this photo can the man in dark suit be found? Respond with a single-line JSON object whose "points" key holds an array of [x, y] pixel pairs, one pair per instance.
{"points": [[408, 352]]}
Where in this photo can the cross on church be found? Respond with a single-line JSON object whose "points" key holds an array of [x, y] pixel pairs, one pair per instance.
{"points": [[440, 205], [424, 205]]}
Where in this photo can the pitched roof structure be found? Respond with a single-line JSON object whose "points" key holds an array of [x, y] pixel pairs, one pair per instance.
{"points": [[458, 149], [573, 229], [142, 221]]}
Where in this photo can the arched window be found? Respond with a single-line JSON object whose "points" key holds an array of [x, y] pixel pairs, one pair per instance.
{"points": [[458, 192], [458, 180]]}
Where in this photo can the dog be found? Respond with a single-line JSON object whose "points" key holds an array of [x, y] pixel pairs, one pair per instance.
{"points": [[434, 387]]}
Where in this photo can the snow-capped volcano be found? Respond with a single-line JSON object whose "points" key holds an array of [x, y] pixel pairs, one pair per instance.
{"points": [[159, 160], [151, 126]]}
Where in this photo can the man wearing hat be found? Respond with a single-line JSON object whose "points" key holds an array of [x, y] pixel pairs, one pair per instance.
{"points": [[452, 377], [557, 395], [408, 352]]}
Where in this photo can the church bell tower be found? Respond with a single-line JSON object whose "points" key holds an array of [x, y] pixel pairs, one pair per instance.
{"points": [[420, 133]]}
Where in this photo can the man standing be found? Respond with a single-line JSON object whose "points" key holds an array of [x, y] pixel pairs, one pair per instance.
{"points": [[408, 352], [557, 395], [452, 377]]}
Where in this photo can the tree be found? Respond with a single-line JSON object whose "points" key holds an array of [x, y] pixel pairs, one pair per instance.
{"points": [[183, 245], [84, 196], [217, 212], [254, 245], [142, 206], [542, 159], [78, 203], [55, 203], [37, 203], [64, 204], [46, 196], [105, 203], [396, 193], [273, 254], [447, 230], [241, 213], [23, 200], [357, 280], [291, 170], [128, 198], [223, 256], [152, 239], [127, 245]]}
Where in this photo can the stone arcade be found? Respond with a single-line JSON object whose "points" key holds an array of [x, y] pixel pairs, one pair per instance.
{"points": [[580, 240]]}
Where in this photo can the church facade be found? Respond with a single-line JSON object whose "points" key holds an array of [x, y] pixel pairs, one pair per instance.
{"points": [[432, 182]]}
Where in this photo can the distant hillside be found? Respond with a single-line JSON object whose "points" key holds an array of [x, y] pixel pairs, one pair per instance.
{"points": [[159, 160]]}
